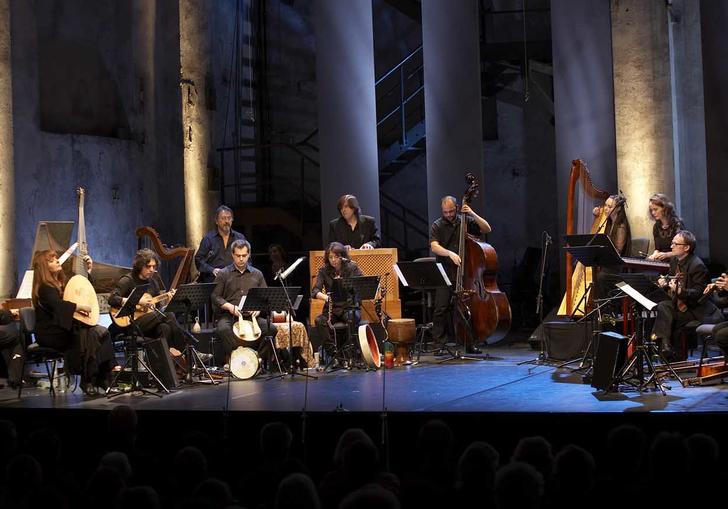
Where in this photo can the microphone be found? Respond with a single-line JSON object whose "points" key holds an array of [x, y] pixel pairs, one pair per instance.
{"points": [[549, 240], [290, 269]]}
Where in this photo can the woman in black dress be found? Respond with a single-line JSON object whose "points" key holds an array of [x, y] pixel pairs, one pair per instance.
{"points": [[667, 224]]}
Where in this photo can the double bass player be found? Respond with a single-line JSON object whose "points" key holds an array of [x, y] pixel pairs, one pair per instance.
{"points": [[444, 239]]}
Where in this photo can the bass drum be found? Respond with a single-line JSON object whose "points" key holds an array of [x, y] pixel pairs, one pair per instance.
{"points": [[369, 347], [244, 363]]}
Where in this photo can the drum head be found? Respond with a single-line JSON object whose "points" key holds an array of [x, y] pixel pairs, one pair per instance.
{"points": [[369, 346], [244, 363]]}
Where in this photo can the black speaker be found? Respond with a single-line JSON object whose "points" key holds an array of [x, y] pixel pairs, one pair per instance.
{"points": [[566, 340], [160, 361], [611, 351]]}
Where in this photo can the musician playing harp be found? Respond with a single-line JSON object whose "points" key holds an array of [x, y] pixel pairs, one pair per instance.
{"points": [[152, 324], [232, 283], [88, 350]]}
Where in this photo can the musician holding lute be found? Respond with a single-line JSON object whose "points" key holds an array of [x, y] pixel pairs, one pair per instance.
{"points": [[149, 320], [87, 348], [232, 283], [444, 243]]}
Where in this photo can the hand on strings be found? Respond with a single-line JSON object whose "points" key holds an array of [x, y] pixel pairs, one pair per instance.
{"points": [[145, 301], [83, 309], [455, 258], [465, 209], [89, 263], [673, 285], [709, 288], [215, 272], [722, 282], [662, 282]]}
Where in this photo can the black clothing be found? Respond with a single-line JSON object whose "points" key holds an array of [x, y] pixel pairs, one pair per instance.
{"points": [[152, 324], [11, 346], [447, 234], [620, 233], [88, 350], [669, 318], [231, 285], [663, 236], [343, 308], [365, 232], [213, 254]]}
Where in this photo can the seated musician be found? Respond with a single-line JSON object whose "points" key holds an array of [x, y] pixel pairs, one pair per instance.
{"points": [[667, 224], [214, 253], [88, 350], [11, 347], [352, 228], [720, 331], [444, 240], [153, 324], [617, 224], [232, 283], [336, 266], [686, 290]]}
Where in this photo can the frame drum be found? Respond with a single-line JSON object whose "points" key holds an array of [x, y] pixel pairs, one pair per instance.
{"points": [[244, 363], [402, 330], [369, 347]]}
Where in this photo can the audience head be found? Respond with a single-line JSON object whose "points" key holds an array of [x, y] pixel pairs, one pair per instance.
{"points": [[668, 449], [703, 454], [574, 471], [119, 462], [275, 441], [435, 441], [214, 493], [347, 438], [536, 451], [519, 486], [368, 496], [122, 426], [190, 465], [297, 491], [138, 497], [625, 449], [477, 466]]}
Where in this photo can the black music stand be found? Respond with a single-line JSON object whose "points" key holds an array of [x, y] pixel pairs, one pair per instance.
{"points": [[422, 276], [635, 368], [133, 359], [187, 298], [353, 290]]}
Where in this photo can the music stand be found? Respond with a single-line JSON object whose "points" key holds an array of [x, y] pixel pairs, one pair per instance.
{"points": [[187, 298], [633, 371], [422, 276], [133, 359]]}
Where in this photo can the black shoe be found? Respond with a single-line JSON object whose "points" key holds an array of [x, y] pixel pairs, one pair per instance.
{"points": [[473, 350], [666, 349]]}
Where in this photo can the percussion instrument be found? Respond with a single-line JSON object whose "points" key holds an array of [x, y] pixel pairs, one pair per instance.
{"points": [[244, 363], [402, 330], [247, 330], [369, 347]]}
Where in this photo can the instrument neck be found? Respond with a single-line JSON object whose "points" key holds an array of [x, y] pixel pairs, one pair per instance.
{"points": [[461, 253]]}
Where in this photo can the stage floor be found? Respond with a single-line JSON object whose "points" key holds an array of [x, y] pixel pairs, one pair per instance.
{"points": [[497, 384]]}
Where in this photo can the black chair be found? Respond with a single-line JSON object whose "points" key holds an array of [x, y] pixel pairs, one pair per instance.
{"points": [[34, 353]]}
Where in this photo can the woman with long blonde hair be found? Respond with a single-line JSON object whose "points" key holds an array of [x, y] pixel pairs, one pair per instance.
{"points": [[88, 350]]}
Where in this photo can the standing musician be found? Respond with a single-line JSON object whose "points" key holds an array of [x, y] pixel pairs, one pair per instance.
{"points": [[88, 350], [11, 347], [214, 252], [342, 309], [233, 282], [667, 224], [686, 286], [444, 239], [153, 324], [352, 228]]}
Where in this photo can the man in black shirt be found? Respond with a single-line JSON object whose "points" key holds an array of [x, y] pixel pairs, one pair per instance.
{"points": [[153, 324], [214, 252], [444, 240], [233, 282]]}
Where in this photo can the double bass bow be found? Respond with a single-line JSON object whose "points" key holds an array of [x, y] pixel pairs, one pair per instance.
{"points": [[482, 311]]}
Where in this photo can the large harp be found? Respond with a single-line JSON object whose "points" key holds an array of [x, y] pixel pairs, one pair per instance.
{"points": [[177, 266], [578, 277]]}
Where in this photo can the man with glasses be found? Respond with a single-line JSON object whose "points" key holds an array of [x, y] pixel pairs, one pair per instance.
{"points": [[686, 283]]}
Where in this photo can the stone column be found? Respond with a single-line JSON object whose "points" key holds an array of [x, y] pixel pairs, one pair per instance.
{"points": [[7, 171], [451, 52], [194, 60], [643, 106], [346, 106]]}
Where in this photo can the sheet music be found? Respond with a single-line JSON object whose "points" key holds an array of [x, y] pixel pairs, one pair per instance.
{"points": [[444, 275], [26, 286], [400, 275], [242, 302], [644, 301]]}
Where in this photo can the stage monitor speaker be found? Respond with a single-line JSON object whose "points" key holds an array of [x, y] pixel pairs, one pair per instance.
{"points": [[566, 340], [611, 353], [160, 361]]}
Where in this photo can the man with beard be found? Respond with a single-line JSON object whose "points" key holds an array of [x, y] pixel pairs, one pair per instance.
{"points": [[214, 253], [444, 240]]}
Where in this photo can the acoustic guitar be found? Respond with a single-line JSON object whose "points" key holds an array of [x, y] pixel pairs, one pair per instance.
{"points": [[125, 321]]}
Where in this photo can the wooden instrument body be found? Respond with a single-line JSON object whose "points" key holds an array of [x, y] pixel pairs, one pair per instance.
{"points": [[402, 330], [125, 321], [79, 290], [369, 347], [247, 330], [372, 262]]}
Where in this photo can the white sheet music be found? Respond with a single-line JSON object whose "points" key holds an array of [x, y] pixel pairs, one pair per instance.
{"points": [[26, 286], [242, 301], [644, 301]]}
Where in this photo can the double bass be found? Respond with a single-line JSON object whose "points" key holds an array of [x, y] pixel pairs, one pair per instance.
{"points": [[482, 311]]}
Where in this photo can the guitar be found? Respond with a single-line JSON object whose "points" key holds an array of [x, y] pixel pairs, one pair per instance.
{"points": [[125, 321], [247, 330]]}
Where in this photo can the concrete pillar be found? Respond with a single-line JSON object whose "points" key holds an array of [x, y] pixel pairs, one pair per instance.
{"points": [[714, 20], [583, 95], [7, 168], [643, 106], [452, 99], [346, 105], [194, 60]]}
